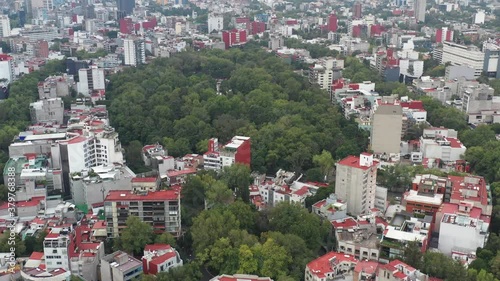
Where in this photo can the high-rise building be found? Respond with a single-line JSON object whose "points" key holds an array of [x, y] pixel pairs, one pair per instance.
{"points": [[234, 37], [419, 10], [4, 26], [134, 52], [357, 10], [444, 34], [332, 23], [215, 23], [6, 68], [125, 7], [355, 183], [161, 209], [90, 79], [387, 125]]}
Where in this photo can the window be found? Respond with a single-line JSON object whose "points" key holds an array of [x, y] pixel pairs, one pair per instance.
{"points": [[54, 251]]}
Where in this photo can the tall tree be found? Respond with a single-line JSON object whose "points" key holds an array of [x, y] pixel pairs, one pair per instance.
{"points": [[325, 162], [136, 235], [237, 178]]}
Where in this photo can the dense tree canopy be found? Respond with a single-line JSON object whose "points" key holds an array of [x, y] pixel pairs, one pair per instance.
{"points": [[174, 101]]}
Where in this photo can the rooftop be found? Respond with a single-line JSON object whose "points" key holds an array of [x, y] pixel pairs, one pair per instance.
{"points": [[354, 162], [126, 195], [240, 277], [323, 265], [415, 196]]}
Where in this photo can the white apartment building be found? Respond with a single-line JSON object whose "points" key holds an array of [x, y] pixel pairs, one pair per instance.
{"points": [[90, 79], [160, 258], [215, 22], [47, 110], [462, 229], [480, 104], [90, 150], [479, 17], [55, 249], [412, 68], [134, 52], [458, 54], [355, 183], [7, 71], [325, 71], [4, 26], [419, 6]]}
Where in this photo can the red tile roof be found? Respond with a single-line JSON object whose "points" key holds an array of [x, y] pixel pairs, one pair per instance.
{"points": [[36, 256], [323, 265], [161, 259], [454, 143], [176, 173], [145, 179], [458, 185], [157, 247], [368, 267], [353, 161], [345, 223], [302, 191], [125, 195]]}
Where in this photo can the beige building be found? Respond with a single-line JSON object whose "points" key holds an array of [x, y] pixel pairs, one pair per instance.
{"points": [[355, 183], [387, 125]]}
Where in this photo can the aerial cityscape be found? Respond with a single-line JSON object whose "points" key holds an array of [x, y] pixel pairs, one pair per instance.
{"points": [[252, 140]]}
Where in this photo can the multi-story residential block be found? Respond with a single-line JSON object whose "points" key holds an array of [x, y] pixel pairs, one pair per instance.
{"points": [[405, 228], [435, 146], [240, 277], [47, 111], [426, 195], [480, 104], [236, 151], [329, 266], [119, 266], [4, 26], [355, 183], [234, 37], [55, 86], [90, 186], [458, 54], [419, 7], [33, 178], [283, 188], [330, 208], [325, 71], [91, 79], [160, 258], [358, 238], [381, 201], [444, 35], [161, 209], [134, 52], [472, 189], [6, 68], [386, 129], [215, 23], [151, 151], [462, 229]]}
